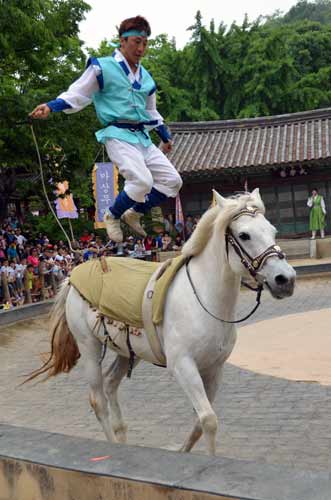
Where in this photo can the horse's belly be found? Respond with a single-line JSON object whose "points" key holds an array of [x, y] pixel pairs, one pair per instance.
{"points": [[116, 335]]}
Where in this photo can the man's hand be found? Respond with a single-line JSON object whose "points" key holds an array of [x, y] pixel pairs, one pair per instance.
{"points": [[42, 111], [166, 147]]}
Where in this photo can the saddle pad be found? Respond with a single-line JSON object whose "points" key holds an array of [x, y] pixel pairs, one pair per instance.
{"points": [[118, 293]]}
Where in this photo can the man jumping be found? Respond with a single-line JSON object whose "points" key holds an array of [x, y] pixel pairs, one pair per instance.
{"points": [[124, 96]]}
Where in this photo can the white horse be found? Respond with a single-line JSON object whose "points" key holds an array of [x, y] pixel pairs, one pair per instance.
{"points": [[232, 240]]}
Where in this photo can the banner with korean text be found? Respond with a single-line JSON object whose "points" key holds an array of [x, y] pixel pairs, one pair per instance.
{"points": [[105, 189]]}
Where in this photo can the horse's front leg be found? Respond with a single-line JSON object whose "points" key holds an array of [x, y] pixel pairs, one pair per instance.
{"points": [[211, 381], [188, 376]]}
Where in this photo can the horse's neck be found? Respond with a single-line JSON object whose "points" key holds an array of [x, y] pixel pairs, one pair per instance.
{"points": [[215, 281]]}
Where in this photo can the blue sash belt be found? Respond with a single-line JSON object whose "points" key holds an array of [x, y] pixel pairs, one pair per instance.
{"points": [[133, 126]]}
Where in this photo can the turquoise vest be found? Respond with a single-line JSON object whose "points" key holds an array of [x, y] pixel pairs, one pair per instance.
{"points": [[119, 100]]}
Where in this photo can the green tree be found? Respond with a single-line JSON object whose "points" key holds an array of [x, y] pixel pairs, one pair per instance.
{"points": [[236, 47], [268, 70], [40, 53], [205, 70], [164, 62], [319, 10]]}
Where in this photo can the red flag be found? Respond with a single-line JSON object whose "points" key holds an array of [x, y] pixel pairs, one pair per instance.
{"points": [[180, 223], [179, 211]]}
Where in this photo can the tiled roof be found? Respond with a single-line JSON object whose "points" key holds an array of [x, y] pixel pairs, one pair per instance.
{"points": [[202, 147]]}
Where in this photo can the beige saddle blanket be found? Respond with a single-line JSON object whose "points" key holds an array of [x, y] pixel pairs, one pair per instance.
{"points": [[116, 285]]}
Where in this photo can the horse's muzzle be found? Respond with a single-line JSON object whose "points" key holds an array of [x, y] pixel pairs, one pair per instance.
{"points": [[282, 286]]}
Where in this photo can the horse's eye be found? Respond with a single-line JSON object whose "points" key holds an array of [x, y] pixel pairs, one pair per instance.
{"points": [[244, 236]]}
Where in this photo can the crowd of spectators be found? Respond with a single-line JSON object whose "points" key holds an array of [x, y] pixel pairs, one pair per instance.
{"points": [[32, 267]]}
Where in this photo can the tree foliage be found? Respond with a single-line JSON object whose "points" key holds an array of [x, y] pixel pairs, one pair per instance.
{"points": [[319, 11], [40, 53]]}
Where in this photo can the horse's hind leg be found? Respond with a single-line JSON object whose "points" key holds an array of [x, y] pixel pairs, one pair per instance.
{"points": [[188, 376], [193, 437], [211, 383], [112, 379], [92, 352]]}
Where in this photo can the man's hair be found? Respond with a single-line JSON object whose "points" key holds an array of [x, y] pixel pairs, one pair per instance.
{"points": [[134, 23]]}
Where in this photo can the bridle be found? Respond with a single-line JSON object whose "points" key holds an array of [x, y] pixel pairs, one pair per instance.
{"points": [[252, 264]]}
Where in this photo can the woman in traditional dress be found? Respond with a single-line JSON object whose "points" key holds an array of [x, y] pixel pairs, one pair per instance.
{"points": [[317, 214]]}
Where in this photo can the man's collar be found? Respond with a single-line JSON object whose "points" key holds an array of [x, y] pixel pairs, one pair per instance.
{"points": [[119, 57]]}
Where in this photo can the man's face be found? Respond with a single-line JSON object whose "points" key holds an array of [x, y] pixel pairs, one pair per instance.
{"points": [[133, 48]]}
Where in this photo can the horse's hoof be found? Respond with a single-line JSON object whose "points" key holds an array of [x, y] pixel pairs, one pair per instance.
{"points": [[121, 434], [121, 437]]}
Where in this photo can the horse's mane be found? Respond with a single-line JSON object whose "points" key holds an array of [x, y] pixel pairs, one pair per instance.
{"points": [[218, 219]]}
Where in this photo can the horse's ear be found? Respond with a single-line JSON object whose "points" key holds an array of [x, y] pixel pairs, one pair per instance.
{"points": [[256, 194], [218, 199]]}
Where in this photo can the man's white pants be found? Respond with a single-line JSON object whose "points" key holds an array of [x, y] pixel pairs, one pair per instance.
{"points": [[143, 168]]}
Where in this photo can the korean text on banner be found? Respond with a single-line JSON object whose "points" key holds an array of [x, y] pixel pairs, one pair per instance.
{"points": [[105, 188]]}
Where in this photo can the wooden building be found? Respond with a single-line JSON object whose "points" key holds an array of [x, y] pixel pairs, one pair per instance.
{"points": [[285, 156]]}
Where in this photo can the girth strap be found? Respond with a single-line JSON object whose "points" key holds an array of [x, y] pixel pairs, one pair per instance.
{"points": [[131, 353], [147, 314]]}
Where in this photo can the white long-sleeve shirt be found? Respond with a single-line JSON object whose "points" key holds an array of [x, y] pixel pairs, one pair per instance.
{"points": [[79, 94], [310, 203]]}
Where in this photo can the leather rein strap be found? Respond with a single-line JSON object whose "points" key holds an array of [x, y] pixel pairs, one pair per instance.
{"points": [[258, 298], [253, 265]]}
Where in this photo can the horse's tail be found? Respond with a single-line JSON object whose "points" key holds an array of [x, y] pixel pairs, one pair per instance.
{"points": [[64, 349]]}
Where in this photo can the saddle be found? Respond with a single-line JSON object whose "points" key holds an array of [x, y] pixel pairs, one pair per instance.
{"points": [[129, 291]]}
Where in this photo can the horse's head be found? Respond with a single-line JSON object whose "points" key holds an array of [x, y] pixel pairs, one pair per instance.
{"points": [[251, 245]]}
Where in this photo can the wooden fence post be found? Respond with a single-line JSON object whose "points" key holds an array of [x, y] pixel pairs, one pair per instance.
{"points": [[41, 272], [5, 287], [53, 282], [28, 298]]}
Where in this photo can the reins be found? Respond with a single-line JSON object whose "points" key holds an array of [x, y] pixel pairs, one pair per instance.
{"points": [[252, 264], [258, 291], [44, 188], [29, 121]]}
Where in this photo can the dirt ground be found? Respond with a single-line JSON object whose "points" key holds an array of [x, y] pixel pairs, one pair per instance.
{"points": [[296, 347]]}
